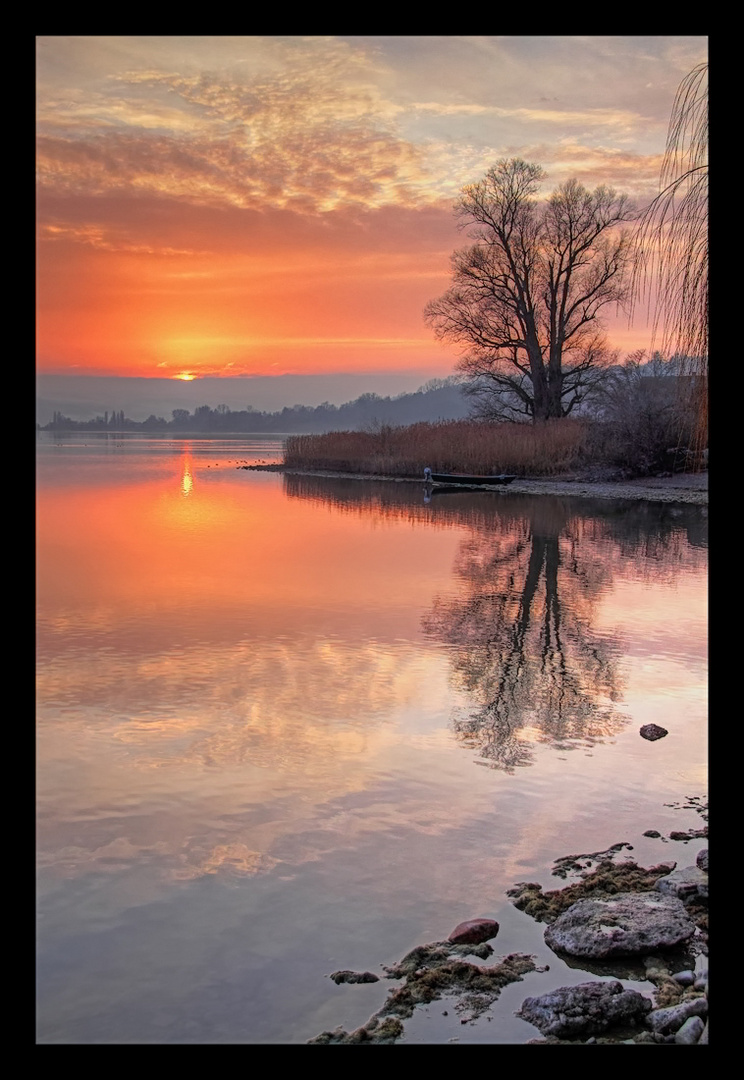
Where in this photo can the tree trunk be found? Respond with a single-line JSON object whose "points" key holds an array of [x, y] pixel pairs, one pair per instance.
{"points": [[555, 382], [540, 401]]}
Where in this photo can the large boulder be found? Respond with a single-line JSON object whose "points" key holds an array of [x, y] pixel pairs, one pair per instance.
{"points": [[628, 924], [585, 1009]]}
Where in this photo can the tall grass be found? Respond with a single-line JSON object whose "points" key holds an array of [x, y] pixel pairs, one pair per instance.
{"points": [[458, 446]]}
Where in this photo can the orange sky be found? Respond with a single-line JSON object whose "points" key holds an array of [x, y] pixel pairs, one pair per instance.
{"points": [[234, 206]]}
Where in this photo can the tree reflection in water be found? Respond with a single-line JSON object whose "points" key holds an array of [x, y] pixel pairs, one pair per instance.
{"points": [[524, 647], [532, 570]]}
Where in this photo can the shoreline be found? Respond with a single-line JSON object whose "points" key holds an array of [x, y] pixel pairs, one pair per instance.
{"points": [[688, 488]]}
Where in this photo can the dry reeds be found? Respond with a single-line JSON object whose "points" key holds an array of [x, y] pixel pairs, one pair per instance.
{"points": [[457, 446]]}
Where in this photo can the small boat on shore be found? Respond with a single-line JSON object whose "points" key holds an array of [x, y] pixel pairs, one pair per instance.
{"points": [[457, 478]]}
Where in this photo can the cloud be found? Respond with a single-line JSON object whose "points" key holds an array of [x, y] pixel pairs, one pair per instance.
{"points": [[316, 124], [312, 137]]}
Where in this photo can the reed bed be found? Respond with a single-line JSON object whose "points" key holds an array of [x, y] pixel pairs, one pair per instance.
{"points": [[458, 446]]}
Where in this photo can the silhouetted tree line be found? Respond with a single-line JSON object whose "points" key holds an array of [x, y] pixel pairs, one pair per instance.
{"points": [[438, 399]]}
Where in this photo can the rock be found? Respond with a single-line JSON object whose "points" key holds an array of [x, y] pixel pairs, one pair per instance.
{"points": [[585, 1009], [354, 977], [703, 1040], [373, 1031], [672, 1019], [652, 732], [684, 978], [687, 883], [627, 924], [690, 1032], [689, 834], [474, 931], [652, 833], [702, 859]]}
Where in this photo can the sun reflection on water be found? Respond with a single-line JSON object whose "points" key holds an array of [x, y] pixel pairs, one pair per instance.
{"points": [[187, 477]]}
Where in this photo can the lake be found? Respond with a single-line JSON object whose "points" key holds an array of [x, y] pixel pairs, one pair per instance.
{"points": [[288, 725]]}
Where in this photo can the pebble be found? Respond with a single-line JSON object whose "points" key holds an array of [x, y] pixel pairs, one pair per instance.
{"points": [[673, 1017], [684, 978], [690, 1032]]}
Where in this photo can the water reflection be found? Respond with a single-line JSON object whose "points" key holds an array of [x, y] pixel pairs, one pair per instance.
{"points": [[523, 643], [521, 628], [660, 532], [248, 772], [187, 478]]}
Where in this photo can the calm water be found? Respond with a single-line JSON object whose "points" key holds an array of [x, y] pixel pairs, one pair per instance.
{"points": [[289, 725]]}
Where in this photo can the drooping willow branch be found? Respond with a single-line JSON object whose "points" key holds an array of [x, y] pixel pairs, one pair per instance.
{"points": [[670, 266]]}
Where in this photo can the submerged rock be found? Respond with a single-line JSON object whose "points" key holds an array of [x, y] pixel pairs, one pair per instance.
{"points": [[474, 931], [627, 924], [585, 1009]]}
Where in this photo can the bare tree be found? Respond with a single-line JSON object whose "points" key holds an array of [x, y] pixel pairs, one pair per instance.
{"points": [[670, 266], [527, 296]]}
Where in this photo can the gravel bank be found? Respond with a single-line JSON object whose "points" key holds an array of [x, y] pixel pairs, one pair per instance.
{"points": [[690, 488]]}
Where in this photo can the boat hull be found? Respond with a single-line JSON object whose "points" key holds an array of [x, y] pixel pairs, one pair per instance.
{"points": [[453, 478]]}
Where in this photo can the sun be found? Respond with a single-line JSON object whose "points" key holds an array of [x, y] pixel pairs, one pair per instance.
{"points": [[185, 376]]}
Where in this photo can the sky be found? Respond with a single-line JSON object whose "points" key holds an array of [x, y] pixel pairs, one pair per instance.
{"points": [[227, 207]]}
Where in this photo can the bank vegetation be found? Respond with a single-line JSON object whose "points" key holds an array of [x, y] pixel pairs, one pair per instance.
{"points": [[645, 424], [463, 446]]}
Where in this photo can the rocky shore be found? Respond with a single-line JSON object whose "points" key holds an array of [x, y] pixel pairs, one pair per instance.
{"points": [[689, 488], [617, 920]]}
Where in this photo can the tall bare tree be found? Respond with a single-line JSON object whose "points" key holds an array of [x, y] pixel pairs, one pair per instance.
{"points": [[527, 296], [670, 264]]}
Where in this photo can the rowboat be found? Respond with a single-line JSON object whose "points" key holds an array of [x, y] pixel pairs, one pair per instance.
{"points": [[458, 478]]}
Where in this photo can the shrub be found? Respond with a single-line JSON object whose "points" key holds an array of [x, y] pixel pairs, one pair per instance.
{"points": [[646, 423]]}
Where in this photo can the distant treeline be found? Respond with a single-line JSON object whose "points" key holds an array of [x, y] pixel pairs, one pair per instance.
{"points": [[438, 399]]}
